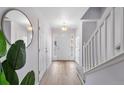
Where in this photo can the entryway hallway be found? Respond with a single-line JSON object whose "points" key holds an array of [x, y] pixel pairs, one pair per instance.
{"points": [[61, 73]]}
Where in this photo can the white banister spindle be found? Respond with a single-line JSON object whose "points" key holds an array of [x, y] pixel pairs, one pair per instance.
{"points": [[103, 44], [98, 47], [93, 64], [99, 40], [112, 13], [105, 40], [91, 54], [95, 50], [84, 57], [122, 31], [109, 25], [88, 58]]}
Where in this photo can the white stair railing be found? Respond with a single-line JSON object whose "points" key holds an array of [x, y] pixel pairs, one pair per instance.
{"points": [[101, 46]]}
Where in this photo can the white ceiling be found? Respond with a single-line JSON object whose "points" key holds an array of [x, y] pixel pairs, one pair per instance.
{"points": [[56, 16]]}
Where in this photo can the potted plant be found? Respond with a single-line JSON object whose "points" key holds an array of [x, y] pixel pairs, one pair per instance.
{"points": [[15, 60]]}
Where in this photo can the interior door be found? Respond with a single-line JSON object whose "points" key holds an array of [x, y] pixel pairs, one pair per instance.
{"points": [[41, 51], [63, 46]]}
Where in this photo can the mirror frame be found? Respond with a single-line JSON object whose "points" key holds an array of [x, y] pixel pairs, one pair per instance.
{"points": [[5, 13]]}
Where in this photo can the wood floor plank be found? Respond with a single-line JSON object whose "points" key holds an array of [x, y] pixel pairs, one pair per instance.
{"points": [[61, 73]]}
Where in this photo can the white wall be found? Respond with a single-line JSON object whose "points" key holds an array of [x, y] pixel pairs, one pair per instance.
{"points": [[32, 50], [88, 27]]}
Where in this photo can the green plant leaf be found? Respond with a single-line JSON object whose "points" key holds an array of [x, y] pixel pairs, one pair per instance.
{"points": [[16, 56], [2, 44], [3, 80], [29, 79], [11, 75]]}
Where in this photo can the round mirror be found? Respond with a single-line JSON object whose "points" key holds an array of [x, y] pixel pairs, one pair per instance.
{"points": [[17, 26]]}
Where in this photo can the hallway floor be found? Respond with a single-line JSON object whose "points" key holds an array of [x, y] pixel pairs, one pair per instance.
{"points": [[61, 73]]}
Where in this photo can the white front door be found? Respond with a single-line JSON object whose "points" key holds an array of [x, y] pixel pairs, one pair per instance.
{"points": [[63, 46]]}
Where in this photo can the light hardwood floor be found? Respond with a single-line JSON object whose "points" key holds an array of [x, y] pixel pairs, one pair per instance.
{"points": [[61, 73]]}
